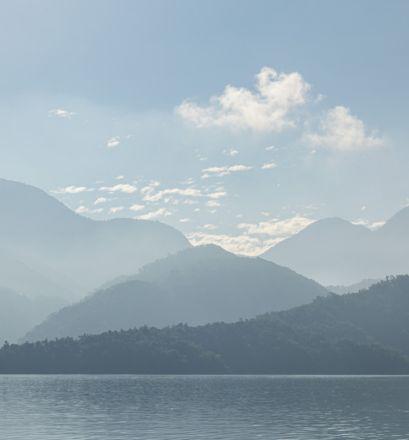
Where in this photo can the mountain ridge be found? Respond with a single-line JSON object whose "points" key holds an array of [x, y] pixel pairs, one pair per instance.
{"points": [[197, 285], [337, 252]]}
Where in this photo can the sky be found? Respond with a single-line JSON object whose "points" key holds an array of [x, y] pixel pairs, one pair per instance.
{"points": [[237, 122]]}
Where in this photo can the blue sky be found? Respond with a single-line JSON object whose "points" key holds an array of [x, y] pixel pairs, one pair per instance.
{"points": [[237, 122]]}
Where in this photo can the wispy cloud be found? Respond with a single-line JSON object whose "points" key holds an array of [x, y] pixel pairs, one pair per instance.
{"points": [[240, 244], [61, 113], [115, 209], [277, 228], [120, 187], [85, 210], [185, 192], [153, 215], [113, 142], [224, 171], [71, 190], [268, 166], [136, 207], [100, 200], [232, 152]]}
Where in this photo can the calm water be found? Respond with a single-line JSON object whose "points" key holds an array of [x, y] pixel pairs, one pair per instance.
{"points": [[203, 407]]}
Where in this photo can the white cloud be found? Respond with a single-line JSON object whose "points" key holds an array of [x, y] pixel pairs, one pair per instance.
{"points": [[136, 207], [269, 166], [81, 209], [61, 113], [266, 108], [153, 215], [240, 244], [150, 187], [115, 209], [370, 225], [184, 192], [224, 171], [184, 220], [72, 190], [84, 210], [120, 177], [342, 131], [217, 194], [210, 227], [277, 228], [100, 200], [120, 187], [113, 142], [213, 204], [231, 152], [257, 237]]}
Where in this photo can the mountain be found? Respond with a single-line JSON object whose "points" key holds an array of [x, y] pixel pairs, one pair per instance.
{"points": [[71, 251], [198, 285], [30, 280], [334, 251], [360, 333], [355, 287], [18, 314]]}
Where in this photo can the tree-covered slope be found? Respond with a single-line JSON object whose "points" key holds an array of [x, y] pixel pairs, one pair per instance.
{"points": [[358, 333]]}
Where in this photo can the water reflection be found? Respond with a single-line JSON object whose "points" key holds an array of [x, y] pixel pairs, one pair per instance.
{"points": [[203, 407]]}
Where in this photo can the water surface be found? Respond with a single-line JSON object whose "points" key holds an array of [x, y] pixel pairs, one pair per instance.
{"points": [[203, 407]]}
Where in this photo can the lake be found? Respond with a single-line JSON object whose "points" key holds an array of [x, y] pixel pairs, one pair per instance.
{"points": [[203, 407]]}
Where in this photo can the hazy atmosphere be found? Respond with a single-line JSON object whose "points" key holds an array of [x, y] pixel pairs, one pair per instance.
{"points": [[204, 220], [237, 123]]}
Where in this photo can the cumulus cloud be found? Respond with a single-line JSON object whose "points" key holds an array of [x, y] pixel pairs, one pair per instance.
{"points": [[217, 194], [115, 209], [113, 142], [342, 131], [100, 200], [266, 108], [150, 187], [61, 113], [120, 187], [230, 152], [268, 166], [239, 244], [224, 171], [256, 238], [84, 210], [277, 228], [184, 192], [153, 215], [368, 224], [71, 190], [209, 227], [136, 207], [213, 204]]}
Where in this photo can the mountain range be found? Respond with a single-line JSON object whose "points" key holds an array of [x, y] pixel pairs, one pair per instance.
{"points": [[51, 256], [198, 285], [18, 313], [333, 251], [359, 333], [72, 252]]}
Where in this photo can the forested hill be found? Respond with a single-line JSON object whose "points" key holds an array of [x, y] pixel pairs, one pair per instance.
{"points": [[362, 333]]}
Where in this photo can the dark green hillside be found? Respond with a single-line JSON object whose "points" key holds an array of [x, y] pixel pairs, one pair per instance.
{"points": [[351, 334]]}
